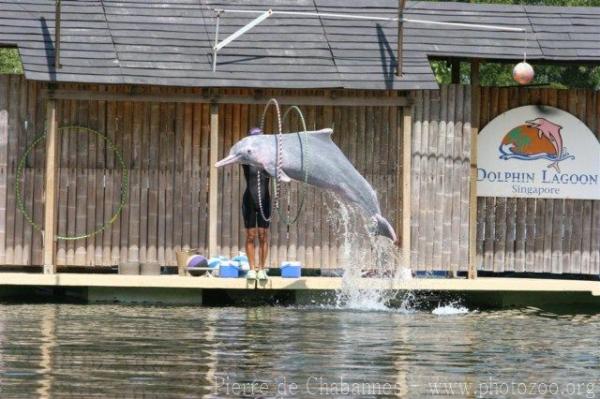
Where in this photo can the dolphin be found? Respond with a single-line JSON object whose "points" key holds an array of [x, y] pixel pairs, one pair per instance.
{"points": [[552, 132], [327, 168]]}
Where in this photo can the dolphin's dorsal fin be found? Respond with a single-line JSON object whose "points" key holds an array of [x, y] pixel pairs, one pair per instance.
{"points": [[324, 134]]}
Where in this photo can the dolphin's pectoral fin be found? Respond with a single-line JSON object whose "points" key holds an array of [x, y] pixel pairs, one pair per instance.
{"points": [[272, 171]]}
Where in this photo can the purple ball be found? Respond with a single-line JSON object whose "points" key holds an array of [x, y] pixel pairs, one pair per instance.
{"points": [[197, 261]]}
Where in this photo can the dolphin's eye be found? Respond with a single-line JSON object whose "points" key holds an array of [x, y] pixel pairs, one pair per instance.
{"points": [[249, 151]]}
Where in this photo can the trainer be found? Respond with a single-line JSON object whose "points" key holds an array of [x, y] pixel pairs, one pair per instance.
{"points": [[256, 225]]}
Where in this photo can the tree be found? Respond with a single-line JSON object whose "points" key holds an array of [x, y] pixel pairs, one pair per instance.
{"points": [[10, 62], [560, 76], [495, 74]]}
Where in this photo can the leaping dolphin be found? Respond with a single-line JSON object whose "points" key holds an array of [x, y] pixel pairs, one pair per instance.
{"points": [[327, 168], [552, 132]]}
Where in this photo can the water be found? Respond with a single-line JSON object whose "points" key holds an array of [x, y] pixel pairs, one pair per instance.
{"points": [[62, 350], [363, 255], [449, 309]]}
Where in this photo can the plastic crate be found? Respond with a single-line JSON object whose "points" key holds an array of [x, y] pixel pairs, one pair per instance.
{"points": [[229, 270], [291, 270]]}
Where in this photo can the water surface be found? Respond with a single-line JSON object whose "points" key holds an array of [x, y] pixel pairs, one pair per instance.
{"points": [[63, 350]]}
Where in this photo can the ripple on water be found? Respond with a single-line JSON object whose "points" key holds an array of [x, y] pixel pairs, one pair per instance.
{"points": [[187, 352]]}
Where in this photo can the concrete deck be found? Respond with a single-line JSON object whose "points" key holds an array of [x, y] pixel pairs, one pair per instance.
{"points": [[482, 284], [173, 289]]}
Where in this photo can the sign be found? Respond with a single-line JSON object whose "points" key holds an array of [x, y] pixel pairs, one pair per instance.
{"points": [[538, 152]]}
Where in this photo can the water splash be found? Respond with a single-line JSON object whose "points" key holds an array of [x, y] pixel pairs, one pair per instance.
{"points": [[449, 309], [362, 255]]}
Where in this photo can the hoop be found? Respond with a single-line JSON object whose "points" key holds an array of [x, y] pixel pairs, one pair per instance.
{"points": [[279, 162], [273, 102], [303, 155], [124, 181]]}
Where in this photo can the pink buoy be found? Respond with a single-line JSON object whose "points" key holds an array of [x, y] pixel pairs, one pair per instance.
{"points": [[523, 73]]}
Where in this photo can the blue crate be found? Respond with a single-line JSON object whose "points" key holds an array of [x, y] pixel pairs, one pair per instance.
{"points": [[229, 270], [291, 270]]}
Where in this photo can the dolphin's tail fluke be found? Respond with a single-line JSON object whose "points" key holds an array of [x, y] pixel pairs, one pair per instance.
{"points": [[555, 166], [384, 228]]}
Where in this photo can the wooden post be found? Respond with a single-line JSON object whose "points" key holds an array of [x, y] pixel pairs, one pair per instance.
{"points": [[401, 5], [475, 100], [406, 186], [213, 211], [49, 232], [57, 36], [455, 71]]}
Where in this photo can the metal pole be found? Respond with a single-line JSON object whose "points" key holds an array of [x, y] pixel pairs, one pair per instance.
{"points": [[57, 36], [215, 51], [401, 5], [244, 29], [218, 46]]}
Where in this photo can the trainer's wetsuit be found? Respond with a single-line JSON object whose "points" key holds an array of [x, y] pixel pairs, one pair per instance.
{"points": [[250, 207]]}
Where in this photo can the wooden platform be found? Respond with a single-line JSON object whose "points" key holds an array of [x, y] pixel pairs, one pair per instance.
{"points": [[482, 284]]}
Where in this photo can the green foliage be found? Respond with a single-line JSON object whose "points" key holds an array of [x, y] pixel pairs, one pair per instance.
{"points": [[560, 3], [558, 76], [442, 71], [494, 74], [10, 62]]}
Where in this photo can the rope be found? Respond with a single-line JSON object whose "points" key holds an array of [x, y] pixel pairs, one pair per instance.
{"points": [[124, 182], [526, 46]]}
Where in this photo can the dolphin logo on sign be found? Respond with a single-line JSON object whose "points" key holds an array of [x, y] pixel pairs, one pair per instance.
{"points": [[539, 138], [538, 152]]}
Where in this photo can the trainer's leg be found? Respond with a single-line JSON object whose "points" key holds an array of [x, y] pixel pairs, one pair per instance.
{"points": [[250, 248], [263, 249]]}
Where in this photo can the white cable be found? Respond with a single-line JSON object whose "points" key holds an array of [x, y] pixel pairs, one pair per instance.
{"points": [[526, 46], [464, 25], [265, 14], [373, 18], [313, 14]]}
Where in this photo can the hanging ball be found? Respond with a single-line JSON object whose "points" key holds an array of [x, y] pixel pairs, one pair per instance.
{"points": [[523, 73]]}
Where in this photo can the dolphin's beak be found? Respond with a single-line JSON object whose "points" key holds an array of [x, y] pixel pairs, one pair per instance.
{"points": [[536, 125], [229, 160]]}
